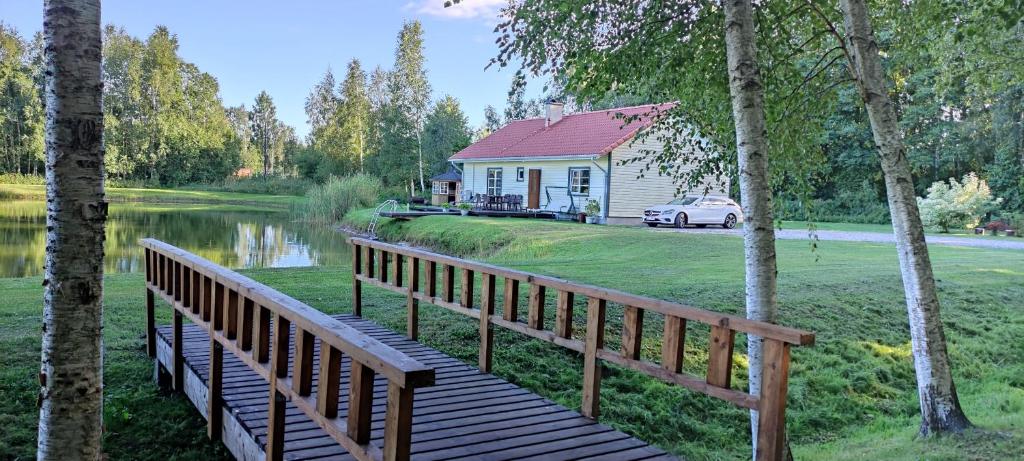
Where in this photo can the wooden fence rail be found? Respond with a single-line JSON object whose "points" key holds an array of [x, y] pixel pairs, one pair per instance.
{"points": [[371, 261], [255, 323]]}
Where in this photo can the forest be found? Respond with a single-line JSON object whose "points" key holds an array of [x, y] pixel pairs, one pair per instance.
{"points": [[959, 94]]}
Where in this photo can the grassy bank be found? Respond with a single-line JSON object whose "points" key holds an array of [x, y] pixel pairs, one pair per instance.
{"points": [[852, 396], [38, 192]]}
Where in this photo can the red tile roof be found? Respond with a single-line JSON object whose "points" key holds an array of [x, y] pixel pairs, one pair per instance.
{"points": [[582, 134]]}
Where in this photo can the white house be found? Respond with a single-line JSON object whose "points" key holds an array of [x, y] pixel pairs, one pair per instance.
{"points": [[559, 163]]}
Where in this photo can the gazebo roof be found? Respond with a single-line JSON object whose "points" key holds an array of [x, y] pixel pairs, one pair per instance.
{"points": [[451, 175]]}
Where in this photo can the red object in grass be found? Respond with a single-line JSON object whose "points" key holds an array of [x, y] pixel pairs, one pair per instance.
{"points": [[998, 226]]}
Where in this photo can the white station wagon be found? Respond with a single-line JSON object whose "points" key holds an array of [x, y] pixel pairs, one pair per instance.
{"points": [[697, 210]]}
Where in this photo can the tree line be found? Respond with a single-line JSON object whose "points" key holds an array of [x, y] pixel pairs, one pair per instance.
{"points": [[385, 123], [165, 121]]}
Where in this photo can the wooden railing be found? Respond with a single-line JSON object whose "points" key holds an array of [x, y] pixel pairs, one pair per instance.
{"points": [[381, 264], [255, 323]]}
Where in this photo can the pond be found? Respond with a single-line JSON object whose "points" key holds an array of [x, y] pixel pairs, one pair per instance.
{"points": [[232, 236]]}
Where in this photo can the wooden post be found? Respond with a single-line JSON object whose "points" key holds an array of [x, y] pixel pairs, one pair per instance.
{"points": [[150, 323], [261, 334], [368, 262], [486, 329], [302, 372], [207, 294], [448, 283], [563, 314], [591, 367], [673, 344], [245, 324], [771, 416], [186, 288], [384, 273], [466, 298], [396, 269], [178, 359], [720, 356], [357, 286], [535, 314], [279, 364], [328, 383], [360, 403], [430, 278], [632, 332], [511, 310], [412, 305], [274, 448], [197, 292], [218, 306], [398, 423], [214, 400], [160, 271], [177, 282], [231, 314], [149, 265]]}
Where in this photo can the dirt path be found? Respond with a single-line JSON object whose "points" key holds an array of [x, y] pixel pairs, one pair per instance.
{"points": [[853, 236]]}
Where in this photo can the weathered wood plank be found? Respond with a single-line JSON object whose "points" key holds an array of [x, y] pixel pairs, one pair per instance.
{"points": [[535, 315], [720, 346], [673, 344], [487, 299], [591, 407], [632, 332], [771, 432], [563, 314]]}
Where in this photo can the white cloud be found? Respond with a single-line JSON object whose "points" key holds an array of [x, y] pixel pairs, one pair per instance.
{"points": [[466, 9]]}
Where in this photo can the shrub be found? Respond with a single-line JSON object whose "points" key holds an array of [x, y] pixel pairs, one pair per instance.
{"points": [[258, 184], [854, 205], [327, 203], [957, 204]]}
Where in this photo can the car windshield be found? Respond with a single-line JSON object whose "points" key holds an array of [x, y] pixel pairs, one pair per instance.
{"points": [[684, 201]]}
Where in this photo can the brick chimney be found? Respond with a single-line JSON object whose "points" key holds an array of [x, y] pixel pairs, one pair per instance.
{"points": [[554, 112]]}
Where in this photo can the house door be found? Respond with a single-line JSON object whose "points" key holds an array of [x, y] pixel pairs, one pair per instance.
{"points": [[533, 199]]}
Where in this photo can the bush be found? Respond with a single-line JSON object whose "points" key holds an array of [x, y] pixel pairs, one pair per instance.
{"points": [[859, 205], [327, 203], [957, 204]]}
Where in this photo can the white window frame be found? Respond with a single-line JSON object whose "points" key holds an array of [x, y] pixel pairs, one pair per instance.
{"points": [[443, 188], [494, 182], [520, 174], [578, 187], [435, 187]]}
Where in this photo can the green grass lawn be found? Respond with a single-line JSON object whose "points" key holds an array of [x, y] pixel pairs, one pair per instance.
{"points": [[852, 395], [36, 192], [884, 228]]}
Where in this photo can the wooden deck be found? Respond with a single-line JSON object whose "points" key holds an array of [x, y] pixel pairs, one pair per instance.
{"points": [[466, 414]]}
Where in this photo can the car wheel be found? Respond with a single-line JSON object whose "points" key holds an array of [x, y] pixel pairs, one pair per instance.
{"points": [[680, 220], [652, 224], [730, 221]]}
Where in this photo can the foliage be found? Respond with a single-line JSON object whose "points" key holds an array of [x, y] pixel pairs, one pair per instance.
{"points": [[445, 133], [957, 204], [328, 203], [593, 208], [21, 104], [465, 206], [258, 184]]}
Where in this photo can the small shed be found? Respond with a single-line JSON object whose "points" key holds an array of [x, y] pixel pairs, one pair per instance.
{"points": [[446, 187]]}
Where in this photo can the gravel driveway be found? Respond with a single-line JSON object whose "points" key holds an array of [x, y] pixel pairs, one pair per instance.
{"points": [[853, 236]]}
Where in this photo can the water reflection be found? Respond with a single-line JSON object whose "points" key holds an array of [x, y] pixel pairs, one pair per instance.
{"points": [[235, 237]]}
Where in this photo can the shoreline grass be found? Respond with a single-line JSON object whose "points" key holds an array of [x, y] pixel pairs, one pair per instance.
{"points": [[38, 192]]}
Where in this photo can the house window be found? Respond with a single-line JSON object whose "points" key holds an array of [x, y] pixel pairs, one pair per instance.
{"points": [[520, 174], [579, 181], [435, 188], [494, 181], [443, 187]]}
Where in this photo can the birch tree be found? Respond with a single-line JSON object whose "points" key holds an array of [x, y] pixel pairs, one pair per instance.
{"points": [[940, 407], [71, 375], [263, 120], [756, 195]]}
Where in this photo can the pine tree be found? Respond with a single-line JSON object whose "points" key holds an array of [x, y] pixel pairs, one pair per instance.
{"points": [[321, 105], [445, 133], [353, 118], [264, 127]]}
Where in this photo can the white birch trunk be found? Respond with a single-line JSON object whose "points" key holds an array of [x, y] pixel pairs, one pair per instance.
{"points": [[752, 150], [940, 408], [71, 375], [419, 147]]}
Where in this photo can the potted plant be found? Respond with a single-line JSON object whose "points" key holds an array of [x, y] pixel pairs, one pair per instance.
{"points": [[593, 210], [464, 208], [446, 206]]}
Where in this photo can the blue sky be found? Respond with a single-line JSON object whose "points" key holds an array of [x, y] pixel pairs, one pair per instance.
{"points": [[284, 47]]}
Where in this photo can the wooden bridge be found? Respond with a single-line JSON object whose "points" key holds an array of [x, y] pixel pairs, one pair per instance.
{"points": [[299, 384]]}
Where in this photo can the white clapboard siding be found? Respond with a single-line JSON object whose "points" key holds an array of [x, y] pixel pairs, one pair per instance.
{"points": [[554, 173], [630, 195]]}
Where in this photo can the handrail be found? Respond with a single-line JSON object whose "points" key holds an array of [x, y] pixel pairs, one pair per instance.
{"points": [[381, 264], [256, 323]]}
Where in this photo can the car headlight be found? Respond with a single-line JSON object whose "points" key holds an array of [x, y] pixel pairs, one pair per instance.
{"points": [[669, 211]]}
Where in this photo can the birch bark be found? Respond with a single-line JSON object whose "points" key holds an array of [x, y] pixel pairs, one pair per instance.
{"points": [[940, 408], [71, 374], [747, 95]]}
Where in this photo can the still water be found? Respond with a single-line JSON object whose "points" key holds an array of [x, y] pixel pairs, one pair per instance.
{"points": [[235, 237]]}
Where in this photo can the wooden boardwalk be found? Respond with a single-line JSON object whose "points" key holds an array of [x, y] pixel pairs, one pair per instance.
{"points": [[466, 414]]}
